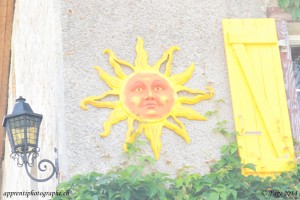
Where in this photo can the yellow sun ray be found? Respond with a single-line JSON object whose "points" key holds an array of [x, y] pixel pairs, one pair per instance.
{"points": [[117, 115], [180, 130], [153, 133], [141, 61], [99, 104], [94, 101], [131, 134], [197, 98], [165, 56], [193, 91], [115, 63], [179, 79], [112, 81], [188, 113], [148, 97]]}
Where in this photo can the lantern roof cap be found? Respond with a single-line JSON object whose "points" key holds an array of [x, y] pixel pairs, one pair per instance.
{"points": [[20, 108]]}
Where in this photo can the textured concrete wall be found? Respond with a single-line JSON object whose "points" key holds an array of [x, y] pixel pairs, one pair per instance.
{"points": [[36, 74], [91, 26]]}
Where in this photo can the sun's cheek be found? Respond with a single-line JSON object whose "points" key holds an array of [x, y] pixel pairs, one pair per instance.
{"points": [[135, 100], [166, 98]]}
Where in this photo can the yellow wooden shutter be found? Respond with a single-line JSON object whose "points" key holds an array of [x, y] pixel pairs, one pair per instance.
{"points": [[258, 95]]}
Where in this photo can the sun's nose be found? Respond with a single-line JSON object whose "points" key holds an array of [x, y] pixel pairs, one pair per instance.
{"points": [[149, 95], [149, 98]]}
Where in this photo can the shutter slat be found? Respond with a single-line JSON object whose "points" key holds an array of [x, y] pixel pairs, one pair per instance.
{"points": [[252, 38]]}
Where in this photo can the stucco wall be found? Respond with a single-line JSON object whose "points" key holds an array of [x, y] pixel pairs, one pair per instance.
{"points": [[36, 73], [91, 26]]}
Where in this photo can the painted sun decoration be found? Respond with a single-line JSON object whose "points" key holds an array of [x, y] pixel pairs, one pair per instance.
{"points": [[148, 97]]}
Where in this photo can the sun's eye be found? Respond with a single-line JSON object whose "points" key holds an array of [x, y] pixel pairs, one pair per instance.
{"points": [[137, 86], [138, 89], [159, 85], [157, 88]]}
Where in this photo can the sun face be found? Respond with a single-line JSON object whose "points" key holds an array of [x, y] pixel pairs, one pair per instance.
{"points": [[148, 97]]}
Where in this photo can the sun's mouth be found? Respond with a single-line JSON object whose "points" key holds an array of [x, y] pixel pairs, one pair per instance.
{"points": [[147, 82], [150, 104]]}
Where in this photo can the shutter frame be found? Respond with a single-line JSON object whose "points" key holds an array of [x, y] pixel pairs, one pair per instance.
{"points": [[256, 110]]}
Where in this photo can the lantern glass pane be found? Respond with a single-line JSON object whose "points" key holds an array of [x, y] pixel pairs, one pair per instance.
{"points": [[33, 124], [17, 130]]}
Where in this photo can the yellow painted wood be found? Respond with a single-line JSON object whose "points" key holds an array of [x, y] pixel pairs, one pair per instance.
{"points": [[267, 165], [258, 95], [252, 38]]}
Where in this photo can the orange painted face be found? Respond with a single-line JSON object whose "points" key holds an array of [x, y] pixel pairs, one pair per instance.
{"points": [[148, 96]]}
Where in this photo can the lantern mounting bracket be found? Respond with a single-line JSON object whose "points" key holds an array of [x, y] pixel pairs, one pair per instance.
{"points": [[28, 161], [43, 168]]}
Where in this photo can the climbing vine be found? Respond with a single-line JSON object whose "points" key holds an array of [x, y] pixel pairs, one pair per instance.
{"points": [[291, 6], [223, 182], [135, 181]]}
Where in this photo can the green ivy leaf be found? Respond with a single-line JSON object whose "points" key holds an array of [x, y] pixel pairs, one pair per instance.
{"points": [[210, 113], [179, 182], [223, 195], [294, 13], [220, 101], [126, 195], [95, 197], [131, 169], [298, 12], [213, 196], [153, 191], [250, 166], [284, 3], [234, 193], [233, 150]]}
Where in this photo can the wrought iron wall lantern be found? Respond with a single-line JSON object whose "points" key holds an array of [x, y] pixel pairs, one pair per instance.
{"points": [[22, 127]]}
